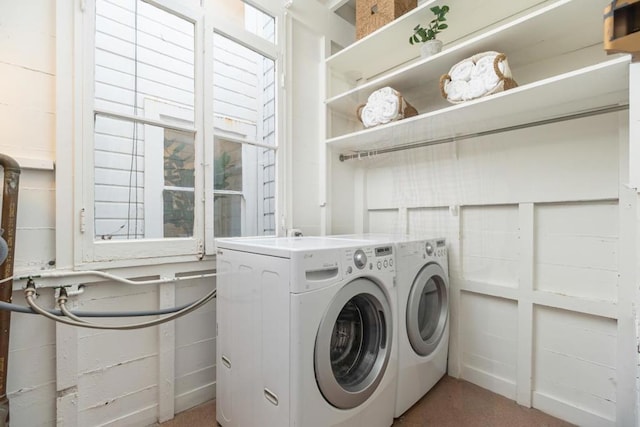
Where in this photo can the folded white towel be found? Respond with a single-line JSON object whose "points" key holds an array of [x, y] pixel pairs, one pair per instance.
{"points": [[462, 70]]}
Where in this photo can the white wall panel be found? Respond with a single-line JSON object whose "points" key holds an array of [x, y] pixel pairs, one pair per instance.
{"points": [[488, 331], [306, 129], [489, 244], [35, 32], [575, 359], [545, 163], [35, 406], [432, 222], [385, 221], [576, 249], [26, 133], [195, 347]]}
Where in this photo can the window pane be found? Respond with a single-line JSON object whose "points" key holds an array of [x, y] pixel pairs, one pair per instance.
{"points": [[248, 17], [227, 166], [143, 181], [250, 212], [244, 92], [142, 52], [178, 213], [227, 215], [179, 156]]}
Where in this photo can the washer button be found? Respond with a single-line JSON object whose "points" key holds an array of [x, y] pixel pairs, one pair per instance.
{"points": [[386, 263], [391, 263], [379, 265]]}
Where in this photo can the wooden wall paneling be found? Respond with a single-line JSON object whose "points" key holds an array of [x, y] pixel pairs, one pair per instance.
{"points": [[489, 342], [490, 244], [627, 289], [66, 373], [384, 221], [166, 355], [455, 278], [577, 249], [525, 304], [575, 366], [195, 342]]}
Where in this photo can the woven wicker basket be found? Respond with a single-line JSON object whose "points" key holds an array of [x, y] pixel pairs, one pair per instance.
{"points": [[373, 14], [501, 69], [404, 111]]}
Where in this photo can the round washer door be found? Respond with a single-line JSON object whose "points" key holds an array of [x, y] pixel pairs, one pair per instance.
{"points": [[427, 309], [353, 345]]}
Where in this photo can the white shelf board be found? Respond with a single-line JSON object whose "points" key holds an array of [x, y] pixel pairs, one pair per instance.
{"points": [[589, 88], [561, 27], [389, 46]]}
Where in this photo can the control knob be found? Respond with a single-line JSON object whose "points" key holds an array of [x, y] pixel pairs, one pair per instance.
{"points": [[429, 248], [360, 259]]}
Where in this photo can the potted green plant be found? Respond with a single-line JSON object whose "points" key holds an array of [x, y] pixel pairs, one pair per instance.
{"points": [[427, 35]]}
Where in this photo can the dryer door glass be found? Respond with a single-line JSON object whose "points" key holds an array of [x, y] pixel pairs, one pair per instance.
{"points": [[353, 344], [427, 309]]}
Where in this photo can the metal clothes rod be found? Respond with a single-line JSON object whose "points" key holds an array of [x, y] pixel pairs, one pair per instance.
{"points": [[590, 113]]}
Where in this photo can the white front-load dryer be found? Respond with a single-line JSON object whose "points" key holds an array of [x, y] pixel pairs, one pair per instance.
{"points": [[306, 332], [423, 340], [422, 281]]}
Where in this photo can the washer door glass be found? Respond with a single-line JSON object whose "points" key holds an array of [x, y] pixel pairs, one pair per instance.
{"points": [[353, 345], [427, 309]]}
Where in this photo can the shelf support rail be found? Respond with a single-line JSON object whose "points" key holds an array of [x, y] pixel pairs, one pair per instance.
{"points": [[360, 155]]}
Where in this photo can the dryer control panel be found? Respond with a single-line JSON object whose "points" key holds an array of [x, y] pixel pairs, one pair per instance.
{"points": [[370, 258], [436, 248]]}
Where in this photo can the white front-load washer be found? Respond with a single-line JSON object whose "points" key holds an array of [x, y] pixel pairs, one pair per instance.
{"points": [[306, 332], [422, 281]]}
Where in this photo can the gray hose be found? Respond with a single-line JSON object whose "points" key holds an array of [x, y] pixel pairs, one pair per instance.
{"points": [[28, 310], [30, 292]]}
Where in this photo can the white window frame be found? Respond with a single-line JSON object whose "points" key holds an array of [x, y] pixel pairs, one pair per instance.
{"points": [[273, 51], [85, 252]]}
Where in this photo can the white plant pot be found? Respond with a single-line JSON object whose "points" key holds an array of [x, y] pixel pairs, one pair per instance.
{"points": [[430, 47]]}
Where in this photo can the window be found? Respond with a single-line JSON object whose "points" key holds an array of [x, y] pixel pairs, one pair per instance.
{"points": [[244, 150], [180, 127]]}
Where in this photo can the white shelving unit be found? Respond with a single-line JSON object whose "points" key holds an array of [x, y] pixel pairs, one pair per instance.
{"points": [[549, 30], [591, 88]]}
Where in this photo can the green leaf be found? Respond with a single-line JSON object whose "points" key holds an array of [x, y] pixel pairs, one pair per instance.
{"points": [[443, 26]]}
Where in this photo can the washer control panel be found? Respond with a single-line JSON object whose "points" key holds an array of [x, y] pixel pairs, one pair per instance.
{"points": [[370, 258]]}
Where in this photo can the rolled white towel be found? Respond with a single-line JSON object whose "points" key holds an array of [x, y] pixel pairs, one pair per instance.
{"points": [[383, 106], [389, 109], [382, 94], [456, 89], [490, 81], [369, 116], [475, 89], [483, 66], [462, 70]]}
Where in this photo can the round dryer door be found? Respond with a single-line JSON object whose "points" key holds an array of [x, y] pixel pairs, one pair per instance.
{"points": [[353, 345], [427, 309]]}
